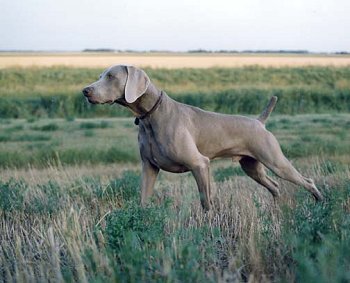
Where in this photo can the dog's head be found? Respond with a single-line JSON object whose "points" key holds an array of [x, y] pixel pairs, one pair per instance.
{"points": [[118, 82]]}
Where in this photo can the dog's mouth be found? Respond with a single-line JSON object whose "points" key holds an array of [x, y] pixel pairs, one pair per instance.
{"points": [[92, 101], [110, 102]]}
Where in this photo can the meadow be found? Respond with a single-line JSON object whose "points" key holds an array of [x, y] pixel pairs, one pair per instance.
{"points": [[56, 92], [70, 172]]}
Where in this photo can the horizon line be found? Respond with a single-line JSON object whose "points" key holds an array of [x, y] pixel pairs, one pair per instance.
{"points": [[199, 50]]}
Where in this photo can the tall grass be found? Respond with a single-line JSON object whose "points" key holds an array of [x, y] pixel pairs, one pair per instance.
{"points": [[55, 92], [87, 229], [58, 225]]}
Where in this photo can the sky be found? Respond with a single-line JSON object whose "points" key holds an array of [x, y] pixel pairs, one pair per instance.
{"points": [[178, 25]]}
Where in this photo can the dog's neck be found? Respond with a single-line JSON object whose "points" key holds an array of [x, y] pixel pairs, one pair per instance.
{"points": [[146, 102]]}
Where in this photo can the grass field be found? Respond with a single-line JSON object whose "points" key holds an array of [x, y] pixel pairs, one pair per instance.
{"points": [[70, 173], [69, 209], [42, 142], [169, 60], [56, 92]]}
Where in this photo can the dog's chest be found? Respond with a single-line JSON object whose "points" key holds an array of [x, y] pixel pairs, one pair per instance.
{"points": [[157, 153]]}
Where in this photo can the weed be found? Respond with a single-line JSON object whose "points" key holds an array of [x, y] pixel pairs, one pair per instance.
{"points": [[11, 195], [135, 234], [89, 133], [48, 199], [31, 138], [74, 231], [46, 128], [223, 174], [317, 236], [92, 125], [127, 186], [31, 120], [14, 128], [70, 118]]}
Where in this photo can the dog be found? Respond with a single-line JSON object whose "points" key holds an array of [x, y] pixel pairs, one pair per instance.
{"points": [[176, 137]]}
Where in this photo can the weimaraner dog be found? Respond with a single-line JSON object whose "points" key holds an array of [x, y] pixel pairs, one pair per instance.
{"points": [[176, 137]]}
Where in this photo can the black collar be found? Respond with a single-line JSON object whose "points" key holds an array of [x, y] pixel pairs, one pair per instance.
{"points": [[154, 108]]}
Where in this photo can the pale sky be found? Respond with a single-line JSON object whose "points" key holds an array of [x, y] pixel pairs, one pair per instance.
{"points": [[178, 25]]}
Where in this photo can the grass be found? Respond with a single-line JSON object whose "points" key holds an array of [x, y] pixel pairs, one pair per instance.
{"points": [[67, 142], [56, 141], [56, 92], [92, 125], [77, 227], [90, 227], [69, 209], [69, 187], [46, 128]]}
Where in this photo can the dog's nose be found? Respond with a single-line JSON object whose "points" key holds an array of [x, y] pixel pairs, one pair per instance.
{"points": [[87, 91]]}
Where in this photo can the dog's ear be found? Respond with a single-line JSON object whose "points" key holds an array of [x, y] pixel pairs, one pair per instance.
{"points": [[136, 84]]}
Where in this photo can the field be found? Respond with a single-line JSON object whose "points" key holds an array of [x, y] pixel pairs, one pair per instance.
{"points": [[55, 92], [170, 60], [70, 172]]}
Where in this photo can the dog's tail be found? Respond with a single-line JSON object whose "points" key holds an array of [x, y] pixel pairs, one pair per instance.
{"points": [[266, 113]]}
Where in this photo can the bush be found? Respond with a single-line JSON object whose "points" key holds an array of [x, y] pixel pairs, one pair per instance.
{"points": [[16, 196], [144, 247], [11, 195], [318, 235], [314, 238], [127, 187]]}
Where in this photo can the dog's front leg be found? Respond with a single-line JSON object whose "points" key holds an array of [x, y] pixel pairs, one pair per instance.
{"points": [[202, 176], [149, 176]]}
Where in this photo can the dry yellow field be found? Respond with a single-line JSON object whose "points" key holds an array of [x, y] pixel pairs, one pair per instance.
{"points": [[168, 60]]}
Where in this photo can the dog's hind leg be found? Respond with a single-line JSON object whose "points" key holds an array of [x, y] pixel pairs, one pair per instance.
{"points": [[256, 171], [273, 158], [284, 169]]}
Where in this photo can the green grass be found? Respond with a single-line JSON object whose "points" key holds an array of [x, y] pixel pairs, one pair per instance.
{"points": [[56, 92], [63, 223], [46, 128], [69, 203], [92, 125], [115, 140]]}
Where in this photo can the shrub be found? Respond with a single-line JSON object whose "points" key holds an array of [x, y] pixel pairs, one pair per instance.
{"points": [[128, 186], [314, 238], [145, 250], [12, 195], [42, 199], [46, 199]]}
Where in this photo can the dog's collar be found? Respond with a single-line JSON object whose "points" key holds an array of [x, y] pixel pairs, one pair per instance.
{"points": [[154, 108]]}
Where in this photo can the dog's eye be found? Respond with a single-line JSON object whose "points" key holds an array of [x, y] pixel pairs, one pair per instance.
{"points": [[109, 76]]}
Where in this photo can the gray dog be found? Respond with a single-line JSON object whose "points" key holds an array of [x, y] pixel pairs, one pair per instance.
{"points": [[178, 138]]}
